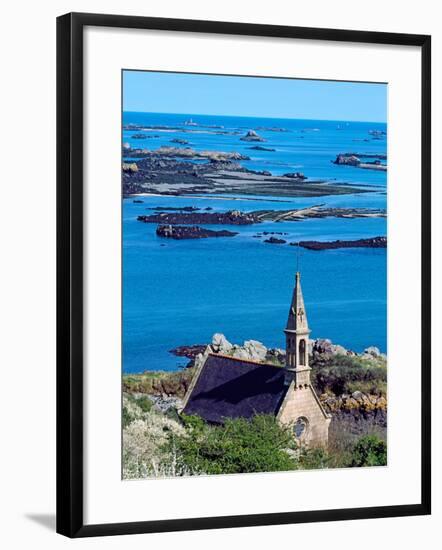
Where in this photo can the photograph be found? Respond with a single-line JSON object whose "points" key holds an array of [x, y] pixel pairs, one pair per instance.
{"points": [[254, 274]]}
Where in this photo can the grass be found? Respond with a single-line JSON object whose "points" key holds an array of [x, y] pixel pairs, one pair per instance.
{"points": [[158, 382], [342, 374]]}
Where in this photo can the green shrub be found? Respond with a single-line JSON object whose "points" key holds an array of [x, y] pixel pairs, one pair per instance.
{"points": [[314, 459], [370, 450], [144, 403], [240, 446]]}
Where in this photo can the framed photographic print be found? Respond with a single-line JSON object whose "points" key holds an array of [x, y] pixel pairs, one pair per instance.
{"points": [[243, 274]]}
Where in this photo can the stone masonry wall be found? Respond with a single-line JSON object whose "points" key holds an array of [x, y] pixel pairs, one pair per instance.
{"points": [[301, 402]]}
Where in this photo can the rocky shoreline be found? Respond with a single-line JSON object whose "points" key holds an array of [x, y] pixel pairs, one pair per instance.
{"points": [[321, 351], [357, 411]]}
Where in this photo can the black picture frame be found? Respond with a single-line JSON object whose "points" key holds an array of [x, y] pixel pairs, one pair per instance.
{"points": [[70, 273]]}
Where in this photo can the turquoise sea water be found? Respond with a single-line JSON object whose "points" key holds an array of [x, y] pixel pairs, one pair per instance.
{"points": [[182, 292]]}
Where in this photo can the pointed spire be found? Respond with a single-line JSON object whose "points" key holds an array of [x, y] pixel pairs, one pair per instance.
{"points": [[297, 319]]}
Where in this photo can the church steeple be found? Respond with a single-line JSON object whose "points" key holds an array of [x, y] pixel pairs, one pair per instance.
{"points": [[297, 336], [297, 319]]}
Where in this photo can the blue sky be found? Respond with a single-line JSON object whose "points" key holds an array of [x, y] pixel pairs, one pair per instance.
{"points": [[247, 96]]}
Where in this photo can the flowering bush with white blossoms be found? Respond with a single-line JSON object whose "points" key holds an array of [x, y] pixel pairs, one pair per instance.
{"points": [[144, 437]]}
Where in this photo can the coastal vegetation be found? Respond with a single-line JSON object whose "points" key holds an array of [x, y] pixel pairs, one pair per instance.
{"points": [[164, 444], [158, 383], [158, 441]]}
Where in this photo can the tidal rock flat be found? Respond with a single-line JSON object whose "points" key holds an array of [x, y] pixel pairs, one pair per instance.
{"points": [[317, 211], [374, 242], [179, 232], [163, 172]]}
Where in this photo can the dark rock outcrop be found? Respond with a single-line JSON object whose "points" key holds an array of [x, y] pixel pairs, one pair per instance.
{"points": [[374, 242], [191, 352], [232, 217], [188, 351], [348, 160], [180, 141], [252, 136], [180, 232], [275, 240], [262, 148], [352, 160], [295, 175]]}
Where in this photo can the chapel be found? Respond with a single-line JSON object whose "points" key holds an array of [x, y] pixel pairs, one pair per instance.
{"points": [[226, 387]]}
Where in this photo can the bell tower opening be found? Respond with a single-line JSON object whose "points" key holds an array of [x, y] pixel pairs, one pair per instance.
{"points": [[302, 352]]}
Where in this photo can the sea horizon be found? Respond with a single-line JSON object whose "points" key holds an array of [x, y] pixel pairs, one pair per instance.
{"points": [[256, 117]]}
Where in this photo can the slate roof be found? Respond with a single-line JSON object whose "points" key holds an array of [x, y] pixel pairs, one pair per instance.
{"points": [[233, 388]]}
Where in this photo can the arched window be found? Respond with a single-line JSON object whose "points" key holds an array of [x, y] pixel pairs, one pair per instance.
{"points": [[300, 428], [302, 352]]}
